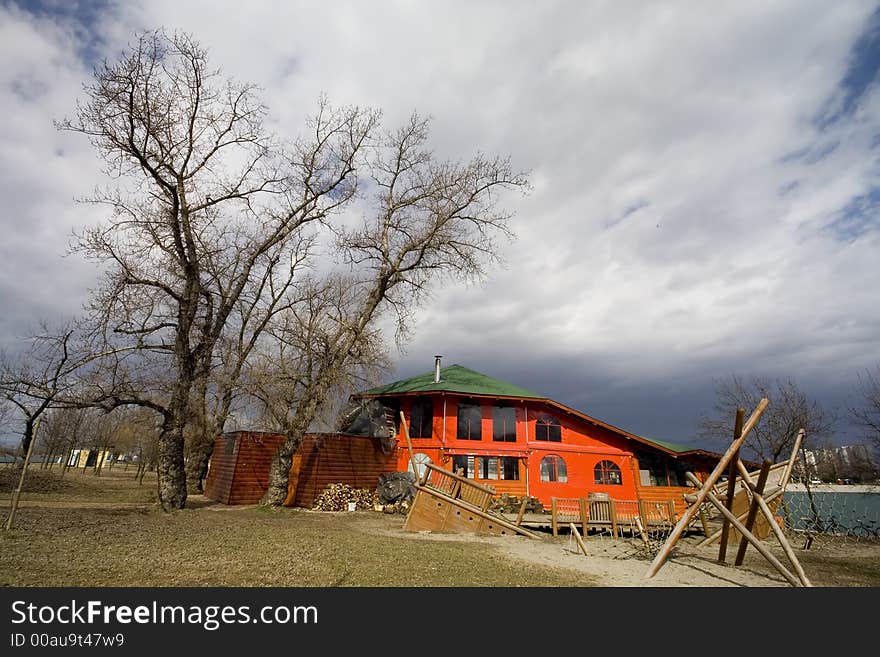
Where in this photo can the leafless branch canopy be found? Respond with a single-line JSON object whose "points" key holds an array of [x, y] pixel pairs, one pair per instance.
{"points": [[790, 410]]}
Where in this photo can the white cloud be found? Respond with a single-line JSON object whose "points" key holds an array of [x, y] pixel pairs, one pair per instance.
{"points": [[680, 225]]}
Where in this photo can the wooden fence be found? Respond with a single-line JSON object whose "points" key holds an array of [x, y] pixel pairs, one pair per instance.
{"points": [[610, 514]]}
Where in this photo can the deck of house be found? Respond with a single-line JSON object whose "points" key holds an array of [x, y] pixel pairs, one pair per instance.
{"points": [[614, 517]]}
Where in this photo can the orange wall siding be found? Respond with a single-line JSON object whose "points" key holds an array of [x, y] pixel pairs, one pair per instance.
{"points": [[239, 467], [582, 447], [338, 458]]}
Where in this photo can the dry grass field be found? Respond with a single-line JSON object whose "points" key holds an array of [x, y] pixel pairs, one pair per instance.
{"points": [[85, 530]]}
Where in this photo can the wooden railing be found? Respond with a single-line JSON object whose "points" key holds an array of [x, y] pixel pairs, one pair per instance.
{"points": [[610, 513], [456, 486]]}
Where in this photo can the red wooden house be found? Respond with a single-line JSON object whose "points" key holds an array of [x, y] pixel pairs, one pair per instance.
{"points": [[522, 443], [517, 441]]}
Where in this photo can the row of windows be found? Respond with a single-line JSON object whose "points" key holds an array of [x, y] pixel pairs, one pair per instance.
{"points": [[507, 468], [487, 467], [553, 469], [470, 422]]}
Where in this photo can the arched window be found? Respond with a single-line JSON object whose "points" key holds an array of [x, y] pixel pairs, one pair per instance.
{"points": [[421, 418], [470, 420], [553, 469], [547, 428], [607, 472], [421, 460], [503, 423]]}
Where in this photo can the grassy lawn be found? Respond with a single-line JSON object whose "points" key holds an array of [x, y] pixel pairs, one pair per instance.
{"points": [[213, 545]]}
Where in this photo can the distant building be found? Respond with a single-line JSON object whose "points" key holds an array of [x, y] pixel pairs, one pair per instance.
{"points": [[847, 462]]}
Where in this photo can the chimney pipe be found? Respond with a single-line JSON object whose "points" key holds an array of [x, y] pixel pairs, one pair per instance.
{"points": [[437, 368]]}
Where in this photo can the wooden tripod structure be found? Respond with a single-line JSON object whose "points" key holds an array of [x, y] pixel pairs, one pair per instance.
{"points": [[759, 502]]}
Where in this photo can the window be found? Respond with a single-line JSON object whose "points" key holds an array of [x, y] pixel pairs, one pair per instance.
{"points": [[510, 468], [607, 472], [488, 467], [504, 423], [422, 460], [659, 470], [470, 420], [547, 428], [465, 464], [553, 469], [421, 418]]}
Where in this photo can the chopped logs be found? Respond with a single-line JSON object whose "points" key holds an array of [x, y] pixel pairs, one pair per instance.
{"points": [[337, 497]]}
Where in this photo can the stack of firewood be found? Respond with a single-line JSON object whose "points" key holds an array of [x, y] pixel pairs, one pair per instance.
{"points": [[397, 507], [336, 497], [507, 503]]}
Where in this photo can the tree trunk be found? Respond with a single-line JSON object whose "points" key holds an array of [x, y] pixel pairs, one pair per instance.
{"points": [[28, 436], [171, 467], [197, 466], [171, 471], [279, 473]]}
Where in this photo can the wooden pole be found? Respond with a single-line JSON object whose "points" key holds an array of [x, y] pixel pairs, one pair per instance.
{"points": [[772, 495], [752, 538], [582, 503], [731, 486], [553, 516], [409, 448], [705, 490], [642, 533], [577, 537], [612, 510], [522, 511], [704, 521], [780, 535], [24, 466], [791, 460], [753, 510]]}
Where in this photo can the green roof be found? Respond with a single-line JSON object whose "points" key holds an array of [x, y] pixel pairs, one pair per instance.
{"points": [[674, 447], [461, 380], [454, 378]]}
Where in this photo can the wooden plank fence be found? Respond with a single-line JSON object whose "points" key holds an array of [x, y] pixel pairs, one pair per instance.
{"points": [[610, 514]]}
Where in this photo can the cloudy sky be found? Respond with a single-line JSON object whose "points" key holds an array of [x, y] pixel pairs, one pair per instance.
{"points": [[705, 180]]}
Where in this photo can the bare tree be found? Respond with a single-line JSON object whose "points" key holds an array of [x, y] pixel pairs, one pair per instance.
{"points": [[299, 350], [259, 303], [208, 206], [866, 415], [773, 437], [428, 219], [42, 374], [61, 433]]}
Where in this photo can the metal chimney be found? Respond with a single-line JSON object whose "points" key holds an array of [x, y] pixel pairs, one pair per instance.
{"points": [[437, 368]]}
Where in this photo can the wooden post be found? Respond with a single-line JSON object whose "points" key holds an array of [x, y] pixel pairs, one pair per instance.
{"points": [[643, 513], [705, 490], [780, 535], [752, 539], [642, 533], [584, 517], [577, 537], [791, 459], [553, 516], [612, 510], [753, 510], [731, 486], [24, 466], [704, 521], [522, 511], [409, 448], [671, 505]]}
